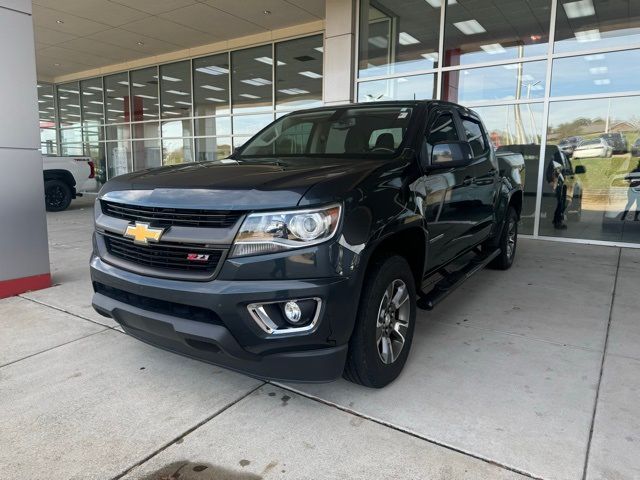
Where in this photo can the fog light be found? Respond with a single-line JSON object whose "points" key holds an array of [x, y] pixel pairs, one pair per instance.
{"points": [[293, 312]]}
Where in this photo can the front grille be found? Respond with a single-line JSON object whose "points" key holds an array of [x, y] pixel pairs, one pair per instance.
{"points": [[165, 256], [171, 217], [174, 309]]}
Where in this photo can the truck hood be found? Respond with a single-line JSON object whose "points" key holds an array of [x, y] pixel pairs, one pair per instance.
{"points": [[229, 185]]}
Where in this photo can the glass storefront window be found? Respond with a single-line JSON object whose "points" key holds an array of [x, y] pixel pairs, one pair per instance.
{"points": [[478, 32], [118, 132], [398, 37], [144, 94], [299, 73], [211, 85], [176, 151], [118, 158], [92, 134], [417, 87], [46, 106], [46, 112], [146, 153], [211, 126], [146, 130], [92, 101], [175, 90], [48, 143], [71, 135], [503, 82], [212, 148], [596, 73], [176, 128], [601, 186], [72, 149], [69, 104], [250, 124], [518, 129], [252, 80], [97, 153], [117, 98], [589, 24]]}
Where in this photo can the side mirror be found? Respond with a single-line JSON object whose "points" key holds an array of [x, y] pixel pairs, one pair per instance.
{"points": [[450, 155], [580, 169]]}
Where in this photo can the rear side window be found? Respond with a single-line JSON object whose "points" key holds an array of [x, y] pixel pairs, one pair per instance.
{"points": [[475, 137]]}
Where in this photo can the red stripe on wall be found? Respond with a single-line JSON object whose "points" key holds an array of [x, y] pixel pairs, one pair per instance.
{"points": [[16, 286]]}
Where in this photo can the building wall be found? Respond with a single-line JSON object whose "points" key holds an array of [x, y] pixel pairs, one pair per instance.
{"points": [[545, 75], [24, 261], [194, 109]]}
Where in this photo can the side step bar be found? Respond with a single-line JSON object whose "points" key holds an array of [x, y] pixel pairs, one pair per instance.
{"points": [[453, 280]]}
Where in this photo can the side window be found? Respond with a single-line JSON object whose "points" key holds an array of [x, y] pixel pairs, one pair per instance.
{"points": [[475, 136], [442, 130]]}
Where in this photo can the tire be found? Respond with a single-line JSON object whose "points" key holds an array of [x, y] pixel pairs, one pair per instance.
{"points": [[508, 241], [576, 211], [57, 195], [375, 357]]}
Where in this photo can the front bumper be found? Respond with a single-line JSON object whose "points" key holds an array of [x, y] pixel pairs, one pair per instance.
{"points": [[228, 336]]}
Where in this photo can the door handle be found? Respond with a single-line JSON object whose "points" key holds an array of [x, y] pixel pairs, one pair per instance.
{"points": [[468, 181]]}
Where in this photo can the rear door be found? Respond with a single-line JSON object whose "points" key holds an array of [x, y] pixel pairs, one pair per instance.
{"points": [[483, 172]]}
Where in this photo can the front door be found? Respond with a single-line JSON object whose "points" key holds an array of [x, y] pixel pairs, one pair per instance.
{"points": [[447, 192]]}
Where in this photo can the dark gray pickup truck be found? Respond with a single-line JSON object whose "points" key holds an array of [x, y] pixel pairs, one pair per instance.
{"points": [[305, 255]]}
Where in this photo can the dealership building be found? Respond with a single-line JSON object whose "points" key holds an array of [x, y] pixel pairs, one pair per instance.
{"points": [[143, 83]]}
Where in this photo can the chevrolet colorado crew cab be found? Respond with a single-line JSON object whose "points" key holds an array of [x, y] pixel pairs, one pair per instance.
{"points": [[305, 254], [65, 178]]}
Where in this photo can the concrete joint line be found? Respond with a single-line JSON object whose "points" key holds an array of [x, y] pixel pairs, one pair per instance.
{"points": [[67, 312], [187, 432], [604, 356], [408, 432], [53, 348]]}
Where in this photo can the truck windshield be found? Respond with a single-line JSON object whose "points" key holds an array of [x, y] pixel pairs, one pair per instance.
{"points": [[360, 132]]}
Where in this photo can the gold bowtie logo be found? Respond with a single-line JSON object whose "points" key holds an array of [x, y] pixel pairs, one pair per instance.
{"points": [[143, 233]]}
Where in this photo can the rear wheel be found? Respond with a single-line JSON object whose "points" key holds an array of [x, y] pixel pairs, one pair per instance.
{"points": [[57, 195], [508, 241], [383, 333]]}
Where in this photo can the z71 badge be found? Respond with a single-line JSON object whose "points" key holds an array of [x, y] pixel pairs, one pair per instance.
{"points": [[197, 257]]}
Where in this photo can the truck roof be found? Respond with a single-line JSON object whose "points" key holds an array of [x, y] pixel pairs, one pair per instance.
{"points": [[390, 103]]}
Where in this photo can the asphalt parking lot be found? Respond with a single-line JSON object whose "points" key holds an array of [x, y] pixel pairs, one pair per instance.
{"points": [[530, 373]]}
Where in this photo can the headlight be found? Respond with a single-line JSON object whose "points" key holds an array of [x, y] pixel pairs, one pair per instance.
{"points": [[271, 232]]}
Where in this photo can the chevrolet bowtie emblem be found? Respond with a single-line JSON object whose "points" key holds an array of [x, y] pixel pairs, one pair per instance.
{"points": [[143, 233]]}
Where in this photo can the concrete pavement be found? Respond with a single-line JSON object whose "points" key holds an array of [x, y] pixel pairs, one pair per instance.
{"points": [[530, 373]]}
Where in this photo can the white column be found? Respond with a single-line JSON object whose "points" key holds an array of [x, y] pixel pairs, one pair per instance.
{"points": [[339, 51], [24, 255]]}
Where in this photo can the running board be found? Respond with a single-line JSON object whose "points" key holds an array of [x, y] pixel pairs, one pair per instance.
{"points": [[453, 280]]}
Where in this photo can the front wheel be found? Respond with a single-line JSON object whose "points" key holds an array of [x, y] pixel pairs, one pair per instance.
{"points": [[382, 336], [508, 241]]}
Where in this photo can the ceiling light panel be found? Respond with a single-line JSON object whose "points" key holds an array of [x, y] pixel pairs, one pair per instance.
{"points": [[470, 27], [579, 9]]}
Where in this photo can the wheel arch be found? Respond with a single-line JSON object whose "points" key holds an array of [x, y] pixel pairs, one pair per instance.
{"points": [[515, 201], [59, 174], [410, 243]]}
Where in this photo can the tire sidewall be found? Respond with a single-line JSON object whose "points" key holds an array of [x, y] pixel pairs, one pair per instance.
{"points": [[504, 241], [67, 198], [391, 268]]}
